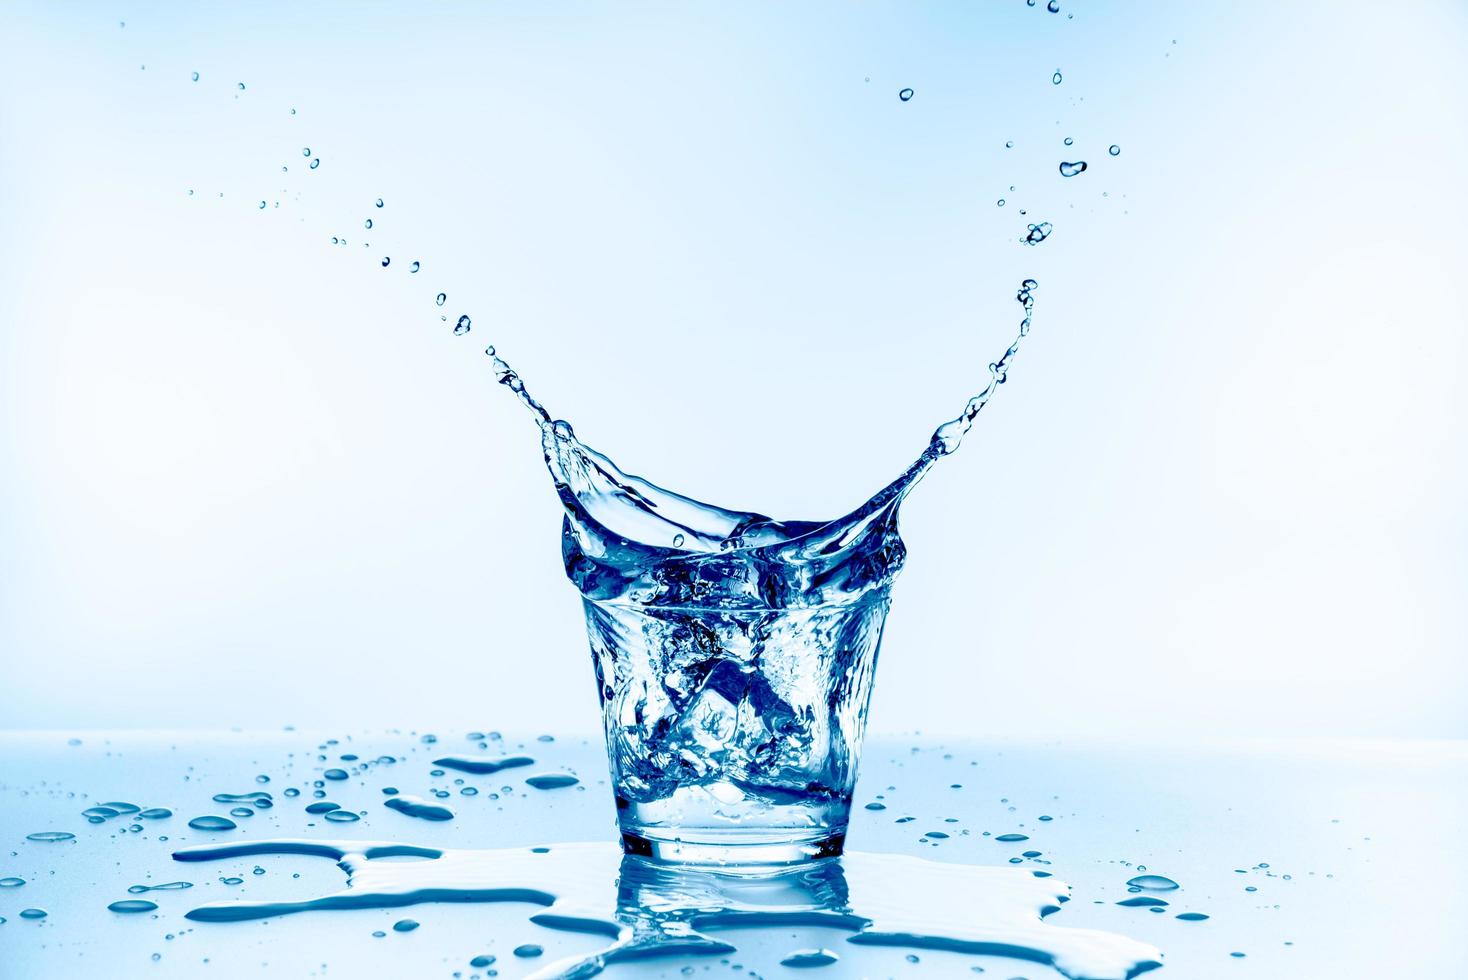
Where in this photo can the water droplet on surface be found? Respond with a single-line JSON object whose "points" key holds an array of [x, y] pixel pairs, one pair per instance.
{"points": [[905, 95], [405, 925], [412, 806], [804, 959], [1055, 79], [1191, 916], [551, 780], [438, 301], [1071, 169], [32, 913], [1011, 838], [50, 836], [11, 882], [1141, 902], [482, 961], [528, 950], [212, 823], [414, 267], [1115, 150], [1155, 883], [1038, 233], [462, 327], [322, 806], [342, 816], [242, 811], [132, 905]]}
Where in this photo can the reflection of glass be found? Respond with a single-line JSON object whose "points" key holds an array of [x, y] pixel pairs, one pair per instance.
{"points": [[660, 909]]}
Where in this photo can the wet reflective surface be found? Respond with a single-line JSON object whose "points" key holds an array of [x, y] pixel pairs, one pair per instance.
{"points": [[1254, 859]]}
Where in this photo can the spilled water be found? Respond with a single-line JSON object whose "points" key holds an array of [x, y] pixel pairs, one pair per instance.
{"points": [[643, 908]]}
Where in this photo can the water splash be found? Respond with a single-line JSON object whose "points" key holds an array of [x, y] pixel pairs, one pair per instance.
{"points": [[646, 909]]}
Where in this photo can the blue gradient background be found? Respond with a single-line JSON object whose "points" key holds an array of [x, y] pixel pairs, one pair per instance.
{"points": [[248, 478]]}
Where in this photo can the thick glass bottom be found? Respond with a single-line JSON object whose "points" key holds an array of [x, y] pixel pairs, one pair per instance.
{"points": [[733, 849]]}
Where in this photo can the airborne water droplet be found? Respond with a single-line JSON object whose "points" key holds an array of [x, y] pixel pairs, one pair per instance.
{"points": [[385, 261], [1038, 233], [367, 223], [315, 163], [305, 151], [678, 540], [1056, 78], [462, 327], [1071, 169], [196, 76], [1114, 149], [905, 95], [50, 836], [379, 202], [262, 204], [413, 268], [242, 86], [438, 300], [1053, 6], [1001, 202], [1068, 141]]}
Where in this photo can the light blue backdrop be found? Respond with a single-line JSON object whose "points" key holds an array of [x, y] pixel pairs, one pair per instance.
{"points": [[249, 478]]}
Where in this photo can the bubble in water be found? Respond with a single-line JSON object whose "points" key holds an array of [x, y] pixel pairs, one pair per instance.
{"points": [[1155, 883], [385, 261], [414, 267], [132, 905], [905, 95], [196, 76], [50, 836], [1071, 169], [678, 540], [212, 823], [379, 202], [1115, 150], [438, 300], [462, 327], [1038, 233], [315, 162], [1056, 78]]}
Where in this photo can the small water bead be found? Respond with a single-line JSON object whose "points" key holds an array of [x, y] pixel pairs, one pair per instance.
{"points": [[378, 934], [132, 906], [905, 95], [386, 261], [526, 951], [1115, 150], [262, 205], [1038, 233], [196, 76], [97, 814], [1155, 883], [1009, 144], [315, 163], [439, 299], [1000, 202], [482, 961], [1071, 169], [212, 823], [256, 798], [1011, 838], [11, 882], [305, 151], [337, 774], [678, 540], [242, 811], [342, 816], [414, 267], [405, 925], [322, 806], [462, 327], [551, 780], [292, 792], [367, 223], [379, 202], [32, 913], [50, 836], [1068, 141], [1142, 902], [804, 959], [1055, 79], [242, 86], [1053, 6]]}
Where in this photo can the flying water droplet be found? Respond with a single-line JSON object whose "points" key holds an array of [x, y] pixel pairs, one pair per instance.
{"points": [[385, 261], [414, 267], [1000, 202], [1115, 150], [367, 223], [1038, 233], [678, 540], [905, 95], [262, 205], [315, 162], [1055, 79], [196, 76], [1009, 144], [212, 823], [438, 301], [1053, 6], [379, 202], [242, 86], [1071, 169], [1068, 141], [462, 327], [305, 151]]}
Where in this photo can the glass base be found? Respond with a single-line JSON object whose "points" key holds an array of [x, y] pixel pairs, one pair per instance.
{"points": [[733, 849]]}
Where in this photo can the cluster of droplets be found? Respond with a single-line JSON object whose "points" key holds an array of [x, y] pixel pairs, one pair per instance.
{"points": [[949, 435]]}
